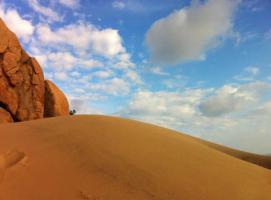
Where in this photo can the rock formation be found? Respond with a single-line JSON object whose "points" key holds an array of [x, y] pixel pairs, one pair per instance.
{"points": [[22, 84], [56, 103], [5, 116]]}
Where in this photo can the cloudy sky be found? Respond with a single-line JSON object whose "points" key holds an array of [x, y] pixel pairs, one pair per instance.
{"points": [[202, 67]]}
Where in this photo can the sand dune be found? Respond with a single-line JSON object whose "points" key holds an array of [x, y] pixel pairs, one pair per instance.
{"points": [[261, 160], [107, 158]]}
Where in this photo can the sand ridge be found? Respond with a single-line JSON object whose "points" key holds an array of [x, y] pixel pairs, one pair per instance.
{"points": [[108, 158]]}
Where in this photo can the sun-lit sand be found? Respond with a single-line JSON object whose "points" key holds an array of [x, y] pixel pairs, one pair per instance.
{"points": [[108, 158]]}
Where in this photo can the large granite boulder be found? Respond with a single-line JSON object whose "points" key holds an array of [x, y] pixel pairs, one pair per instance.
{"points": [[56, 103], [22, 86]]}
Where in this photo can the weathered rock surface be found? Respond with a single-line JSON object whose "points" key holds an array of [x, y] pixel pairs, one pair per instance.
{"points": [[22, 86], [56, 103], [5, 117], [21, 79]]}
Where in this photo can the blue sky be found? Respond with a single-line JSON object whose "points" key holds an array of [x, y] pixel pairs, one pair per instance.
{"points": [[201, 67]]}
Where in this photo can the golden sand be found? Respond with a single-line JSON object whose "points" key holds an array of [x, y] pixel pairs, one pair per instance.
{"points": [[108, 158]]}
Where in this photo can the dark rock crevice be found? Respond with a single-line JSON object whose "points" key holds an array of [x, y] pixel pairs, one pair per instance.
{"points": [[5, 115], [4, 107]]}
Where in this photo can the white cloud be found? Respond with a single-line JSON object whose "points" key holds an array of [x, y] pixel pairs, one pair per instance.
{"points": [[249, 74], [62, 60], [168, 109], [158, 71], [72, 53], [247, 127], [45, 11], [188, 33], [254, 5], [106, 42], [114, 86], [231, 98], [42, 59], [124, 61], [103, 74], [79, 91], [75, 74], [82, 106], [138, 6], [173, 82], [118, 4], [74, 35], [133, 76], [65, 61], [253, 70], [89, 63], [69, 3], [24, 29], [243, 37], [62, 76], [243, 78]]}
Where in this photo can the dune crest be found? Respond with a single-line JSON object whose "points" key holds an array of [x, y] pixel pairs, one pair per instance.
{"points": [[108, 158]]}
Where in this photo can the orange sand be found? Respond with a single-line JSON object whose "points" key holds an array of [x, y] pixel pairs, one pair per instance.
{"points": [[108, 158]]}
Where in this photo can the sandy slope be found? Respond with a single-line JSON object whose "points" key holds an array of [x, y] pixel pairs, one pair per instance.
{"points": [[262, 160], [105, 158]]}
